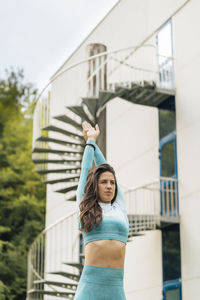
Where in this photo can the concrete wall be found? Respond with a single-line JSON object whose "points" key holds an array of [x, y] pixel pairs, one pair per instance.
{"points": [[143, 268], [132, 142], [128, 24], [186, 28]]}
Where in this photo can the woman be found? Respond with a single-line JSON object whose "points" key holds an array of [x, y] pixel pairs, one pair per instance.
{"points": [[104, 225]]}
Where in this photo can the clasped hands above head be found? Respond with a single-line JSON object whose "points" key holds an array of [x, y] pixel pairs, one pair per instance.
{"points": [[90, 132]]}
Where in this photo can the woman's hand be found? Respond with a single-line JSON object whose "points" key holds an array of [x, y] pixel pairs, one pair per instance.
{"points": [[89, 131]]}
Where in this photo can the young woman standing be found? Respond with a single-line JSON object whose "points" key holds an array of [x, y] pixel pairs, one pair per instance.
{"points": [[104, 225]]}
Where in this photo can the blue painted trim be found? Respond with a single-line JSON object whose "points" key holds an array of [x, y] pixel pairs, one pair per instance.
{"points": [[176, 172], [171, 285], [168, 138], [164, 141], [161, 196]]}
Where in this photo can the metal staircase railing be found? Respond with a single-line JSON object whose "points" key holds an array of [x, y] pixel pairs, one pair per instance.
{"points": [[136, 74], [47, 258], [103, 71], [54, 259]]}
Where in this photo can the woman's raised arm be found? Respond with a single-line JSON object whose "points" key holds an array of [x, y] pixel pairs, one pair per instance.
{"points": [[99, 159], [90, 135]]}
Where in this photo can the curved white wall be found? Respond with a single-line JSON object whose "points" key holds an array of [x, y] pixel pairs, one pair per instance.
{"points": [[143, 267]]}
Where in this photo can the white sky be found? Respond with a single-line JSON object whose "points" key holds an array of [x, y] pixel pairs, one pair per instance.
{"points": [[39, 35]]}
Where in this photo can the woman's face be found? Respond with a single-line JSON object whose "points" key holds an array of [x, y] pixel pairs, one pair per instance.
{"points": [[106, 187]]}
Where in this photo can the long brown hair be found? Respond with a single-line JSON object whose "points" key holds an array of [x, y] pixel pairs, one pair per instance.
{"points": [[90, 210]]}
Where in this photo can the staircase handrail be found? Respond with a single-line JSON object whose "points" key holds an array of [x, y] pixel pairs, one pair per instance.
{"points": [[38, 255], [58, 74], [51, 226]]}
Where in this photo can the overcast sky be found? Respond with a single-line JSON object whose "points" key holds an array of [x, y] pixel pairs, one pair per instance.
{"points": [[39, 35]]}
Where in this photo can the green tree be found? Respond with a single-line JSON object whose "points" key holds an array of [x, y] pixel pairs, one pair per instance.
{"points": [[22, 195]]}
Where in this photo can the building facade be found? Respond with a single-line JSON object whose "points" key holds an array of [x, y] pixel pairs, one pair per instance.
{"points": [[136, 75]]}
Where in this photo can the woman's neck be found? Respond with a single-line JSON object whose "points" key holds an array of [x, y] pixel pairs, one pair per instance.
{"points": [[105, 206]]}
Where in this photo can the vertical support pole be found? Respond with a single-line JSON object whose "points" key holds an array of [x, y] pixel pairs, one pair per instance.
{"points": [[98, 73], [172, 198]]}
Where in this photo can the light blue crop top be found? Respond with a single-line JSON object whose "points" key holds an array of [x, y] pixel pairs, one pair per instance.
{"points": [[115, 225]]}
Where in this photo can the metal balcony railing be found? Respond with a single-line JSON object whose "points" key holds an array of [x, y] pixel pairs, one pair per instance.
{"points": [[57, 250], [151, 204]]}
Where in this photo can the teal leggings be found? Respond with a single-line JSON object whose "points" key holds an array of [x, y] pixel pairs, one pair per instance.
{"points": [[99, 283]]}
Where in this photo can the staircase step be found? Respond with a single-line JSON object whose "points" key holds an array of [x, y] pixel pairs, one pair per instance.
{"points": [[68, 275], [60, 142], [72, 198], [104, 97], [68, 120], [69, 295], [123, 90], [54, 151], [131, 94], [148, 98], [136, 90], [76, 265], [146, 93], [92, 105], [149, 84], [67, 189], [67, 179], [78, 110], [66, 170], [62, 131], [142, 95], [70, 286], [56, 161]]}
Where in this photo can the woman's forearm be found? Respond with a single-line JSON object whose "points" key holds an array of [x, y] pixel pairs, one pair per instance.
{"points": [[99, 158], [86, 165]]}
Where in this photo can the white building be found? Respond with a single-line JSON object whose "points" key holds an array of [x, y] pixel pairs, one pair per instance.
{"points": [[136, 74]]}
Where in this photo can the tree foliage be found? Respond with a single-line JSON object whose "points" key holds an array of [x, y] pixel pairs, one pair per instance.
{"points": [[22, 195]]}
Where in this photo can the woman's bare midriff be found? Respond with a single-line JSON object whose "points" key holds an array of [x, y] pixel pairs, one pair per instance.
{"points": [[105, 253]]}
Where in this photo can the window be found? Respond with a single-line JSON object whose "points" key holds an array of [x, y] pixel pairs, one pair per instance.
{"points": [[171, 253], [167, 122]]}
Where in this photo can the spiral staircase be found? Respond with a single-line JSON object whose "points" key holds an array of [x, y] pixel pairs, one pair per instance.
{"points": [[55, 263]]}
